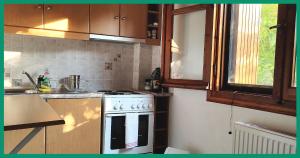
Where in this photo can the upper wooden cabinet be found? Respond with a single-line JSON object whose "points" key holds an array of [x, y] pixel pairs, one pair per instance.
{"points": [[133, 20], [119, 20], [104, 19], [114, 20], [67, 17], [24, 15]]}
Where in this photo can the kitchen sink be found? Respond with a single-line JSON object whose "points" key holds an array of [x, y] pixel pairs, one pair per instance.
{"points": [[19, 91], [16, 91]]}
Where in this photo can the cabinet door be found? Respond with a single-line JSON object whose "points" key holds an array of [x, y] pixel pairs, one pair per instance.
{"points": [[133, 21], [104, 19], [81, 131], [24, 15], [67, 17], [35, 146]]}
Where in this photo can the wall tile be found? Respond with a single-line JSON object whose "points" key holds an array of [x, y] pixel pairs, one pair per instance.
{"points": [[66, 57], [61, 57]]}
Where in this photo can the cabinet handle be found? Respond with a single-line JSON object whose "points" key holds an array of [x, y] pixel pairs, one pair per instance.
{"points": [[116, 17], [124, 18], [49, 8], [39, 6]]}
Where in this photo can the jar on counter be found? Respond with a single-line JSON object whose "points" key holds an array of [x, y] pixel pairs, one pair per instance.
{"points": [[147, 85]]}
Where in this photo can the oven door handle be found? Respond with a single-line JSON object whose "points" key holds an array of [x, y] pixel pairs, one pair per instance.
{"points": [[111, 115], [123, 114]]}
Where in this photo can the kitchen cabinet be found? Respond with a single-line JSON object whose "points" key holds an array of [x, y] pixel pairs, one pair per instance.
{"points": [[24, 15], [73, 18], [154, 24], [119, 20], [77, 21], [82, 129], [35, 146], [133, 20], [104, 19]]}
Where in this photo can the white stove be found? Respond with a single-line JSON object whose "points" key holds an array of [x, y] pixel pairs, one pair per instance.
{"points": [[128, 122]]}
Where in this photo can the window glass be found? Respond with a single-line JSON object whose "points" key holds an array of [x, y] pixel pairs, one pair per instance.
{"points": [[252, 44], [187, 46]]}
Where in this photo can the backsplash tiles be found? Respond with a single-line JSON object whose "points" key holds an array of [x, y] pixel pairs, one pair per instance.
{"points": [[63, 57]]}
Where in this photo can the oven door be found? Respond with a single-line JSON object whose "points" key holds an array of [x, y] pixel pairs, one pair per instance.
{"points": [[114, 134]]}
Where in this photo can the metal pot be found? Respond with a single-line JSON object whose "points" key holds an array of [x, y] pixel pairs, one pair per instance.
{"points": [[74, 82]]}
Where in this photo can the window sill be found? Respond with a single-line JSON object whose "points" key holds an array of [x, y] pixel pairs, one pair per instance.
{"points": [[186, 86], [252, 101]]}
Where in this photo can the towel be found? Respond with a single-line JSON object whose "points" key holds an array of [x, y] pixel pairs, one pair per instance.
{"points": [[132, 128]]}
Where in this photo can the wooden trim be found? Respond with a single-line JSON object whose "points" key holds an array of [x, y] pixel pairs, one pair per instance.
{"points": [[252, 101], [289, 92], [187, 86], [190, 9], [279, 55], [166, 47], [216, 77], [223, 97], [167, 40], [243, 99], [209, 21], [45, 33], [163, 41]]}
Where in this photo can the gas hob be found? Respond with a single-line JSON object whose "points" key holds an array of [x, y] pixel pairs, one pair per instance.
{"points": [[118, 92], [126, 101]]}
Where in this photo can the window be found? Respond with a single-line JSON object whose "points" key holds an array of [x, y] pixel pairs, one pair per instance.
{"points": [[187, 45], [254, 57], [251, 48]]}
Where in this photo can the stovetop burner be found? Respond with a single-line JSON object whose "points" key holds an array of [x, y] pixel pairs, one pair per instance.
{"points": [[118, 92]]}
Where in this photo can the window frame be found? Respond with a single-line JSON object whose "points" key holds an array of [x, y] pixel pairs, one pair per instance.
{"points": [[289, 92], [237, 87], [168, 14], [273, 102]]}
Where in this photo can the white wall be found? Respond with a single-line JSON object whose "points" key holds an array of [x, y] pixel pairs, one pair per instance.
{"points": [[202, 127]]}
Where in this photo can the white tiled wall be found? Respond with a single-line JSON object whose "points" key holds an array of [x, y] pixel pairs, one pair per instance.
{"points": [[142, 66], [156, 57], [66, 57]]}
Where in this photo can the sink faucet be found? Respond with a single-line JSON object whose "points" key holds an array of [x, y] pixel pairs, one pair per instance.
{"points": [[31, 80]]}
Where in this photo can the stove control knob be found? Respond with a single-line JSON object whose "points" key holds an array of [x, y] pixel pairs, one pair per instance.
{"points": [[115, 108], [132, 106], [138, 106], [143, 106], [121, 107]]}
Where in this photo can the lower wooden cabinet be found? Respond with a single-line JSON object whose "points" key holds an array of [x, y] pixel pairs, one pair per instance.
{"points": [[81, 131], [35, 146]]}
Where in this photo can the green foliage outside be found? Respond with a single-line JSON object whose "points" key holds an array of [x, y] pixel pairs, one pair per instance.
{"points": [[267, 42]]}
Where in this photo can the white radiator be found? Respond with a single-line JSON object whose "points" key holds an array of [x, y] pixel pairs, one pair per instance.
{"points": [[252, 139]]}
